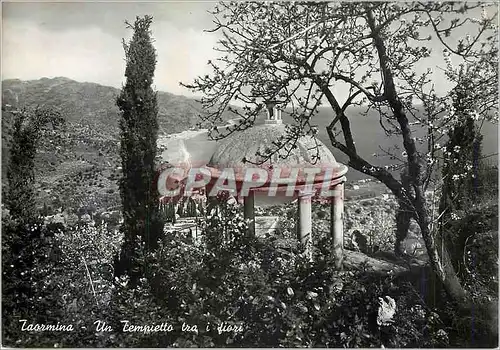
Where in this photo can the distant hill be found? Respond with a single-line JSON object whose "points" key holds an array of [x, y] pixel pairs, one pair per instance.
{"points": [[94, 104]]}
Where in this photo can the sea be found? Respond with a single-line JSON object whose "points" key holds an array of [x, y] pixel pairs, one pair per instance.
{"points": [[373, 144]]}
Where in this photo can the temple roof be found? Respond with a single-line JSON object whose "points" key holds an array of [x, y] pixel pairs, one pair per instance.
{"points": [[231, 150]]}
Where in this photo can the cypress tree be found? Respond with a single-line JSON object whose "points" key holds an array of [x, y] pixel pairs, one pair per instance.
{"points": [[25, 243], [137, 102], [27, 130], [461, 184], [21, 170], [463, 151]]}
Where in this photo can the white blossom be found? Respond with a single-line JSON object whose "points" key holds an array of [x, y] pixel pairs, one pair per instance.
{"points": [[475, 115], [386, 311]]}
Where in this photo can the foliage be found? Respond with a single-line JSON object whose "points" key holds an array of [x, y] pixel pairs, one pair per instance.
{"points": [[462, 176], [139, 132], [462, 155], [24, 247], [29, 126], [277, 295], [54, 275], [472, 237]]}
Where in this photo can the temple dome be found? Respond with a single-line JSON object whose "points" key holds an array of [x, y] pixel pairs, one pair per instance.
{"points": [[232, 150]]}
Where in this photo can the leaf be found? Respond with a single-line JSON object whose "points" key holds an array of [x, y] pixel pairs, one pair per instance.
{"points": [[303, 308], [311, 295]]}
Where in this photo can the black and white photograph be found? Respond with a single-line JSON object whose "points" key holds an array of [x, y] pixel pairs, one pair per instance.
{"points": [[249, 174]]}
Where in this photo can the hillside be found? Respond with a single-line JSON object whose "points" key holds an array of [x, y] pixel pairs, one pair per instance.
{"points": [[79, 167], [94, 104]]}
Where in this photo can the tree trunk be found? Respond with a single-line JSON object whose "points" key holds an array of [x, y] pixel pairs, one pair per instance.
{"points": [[403, 219], [438, 253], [403, 216], [441, 260]]}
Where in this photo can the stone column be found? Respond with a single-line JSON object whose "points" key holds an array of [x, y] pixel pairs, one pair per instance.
{"points": [[305, 219], [249, 211], [337, 224]]}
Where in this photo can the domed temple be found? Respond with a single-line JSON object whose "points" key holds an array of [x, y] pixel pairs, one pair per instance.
{"points": [[297, 172]]}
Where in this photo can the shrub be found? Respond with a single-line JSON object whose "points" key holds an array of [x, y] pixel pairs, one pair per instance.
{"points": [[279, 297], [54, 274]]}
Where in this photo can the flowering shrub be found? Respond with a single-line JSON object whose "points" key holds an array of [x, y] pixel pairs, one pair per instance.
{"points": [[262, 294], [233, 290], [28, 253], [54, 274]]}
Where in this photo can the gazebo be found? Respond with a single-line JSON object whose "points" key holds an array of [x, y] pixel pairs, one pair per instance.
{"points": [[299, 173]]}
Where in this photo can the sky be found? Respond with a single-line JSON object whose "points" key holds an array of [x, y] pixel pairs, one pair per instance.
{"points": [[83, 41]]}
